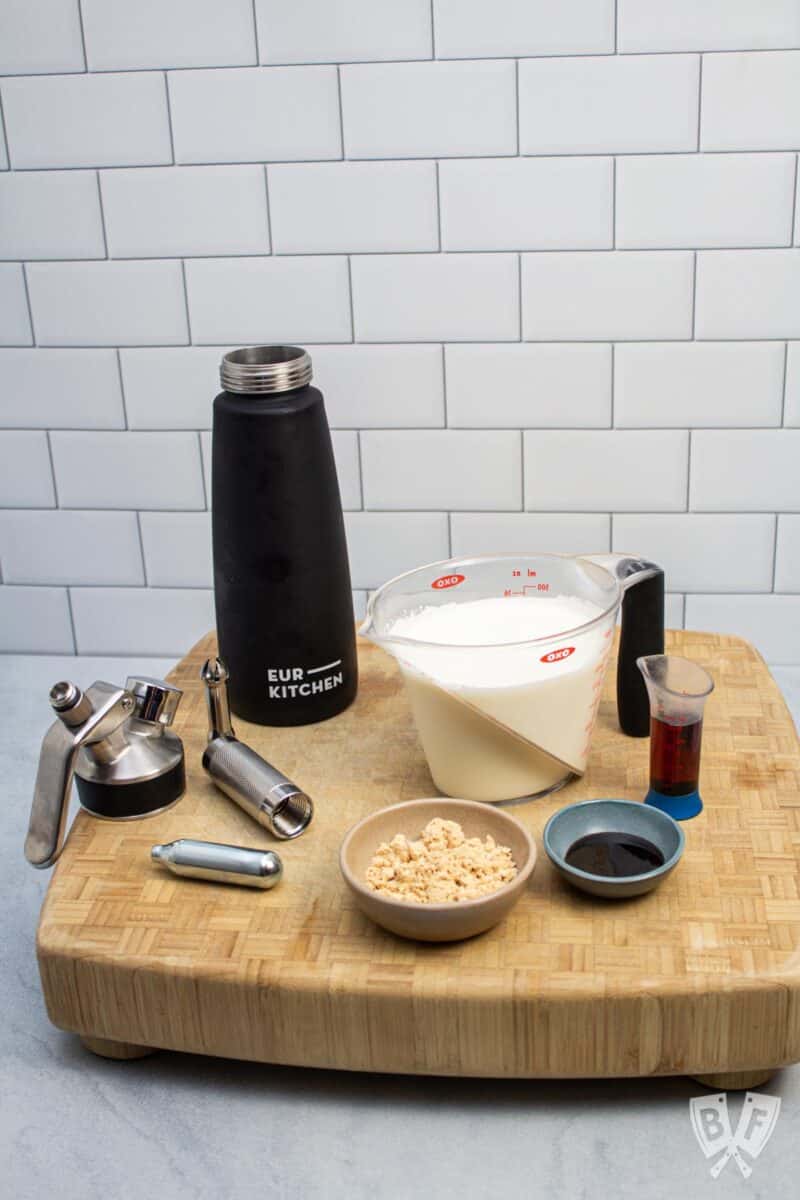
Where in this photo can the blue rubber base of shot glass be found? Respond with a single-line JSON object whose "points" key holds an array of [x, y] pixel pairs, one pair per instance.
{"points": [[680, 808]]}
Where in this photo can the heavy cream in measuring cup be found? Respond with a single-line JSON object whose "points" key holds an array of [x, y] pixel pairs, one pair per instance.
{"points": [[499, 721]]}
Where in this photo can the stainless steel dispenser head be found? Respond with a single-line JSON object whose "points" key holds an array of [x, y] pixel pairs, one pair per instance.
{"points": [[114, 742], [220, 863], [260, 789]]}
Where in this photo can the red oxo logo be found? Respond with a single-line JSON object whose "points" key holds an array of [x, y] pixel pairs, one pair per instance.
{"points": [[557, 655], [446, 581]]}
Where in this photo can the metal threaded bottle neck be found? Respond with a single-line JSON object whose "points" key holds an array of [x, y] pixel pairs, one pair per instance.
{"points": [[260, 370]]}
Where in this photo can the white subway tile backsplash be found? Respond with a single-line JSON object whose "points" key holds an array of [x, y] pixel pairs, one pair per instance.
{"points": [[716, 553], [171, 389], [441, 469], [694, 200], [787, 553], [350, 30], [698, 383], [15, 325], [608, 470], [70, 547], [107, 303], [431, 297], [3, 151], [151, 621], [424, 110], [50, 214], [771, 623], [528, 386], [631, 295], [706, 24], [177, 549], [526, 204], [384, 544], [35, 620], [255, 115], [359, 604], [752, 470], [127, 470], [87, 120], [518, 28], [205, 454], [530, 533], [269, 300], [791, 414], [60, 389], [608, 105], [751, 101], [121, 36], [26, 480], [174, 211], [348, 467], [353, 206], [380, 387], [40, 36], [748, 294]]}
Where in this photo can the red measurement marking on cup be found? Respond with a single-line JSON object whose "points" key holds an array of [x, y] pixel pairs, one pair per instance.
{"points": [[447, 581], [557, 655]]}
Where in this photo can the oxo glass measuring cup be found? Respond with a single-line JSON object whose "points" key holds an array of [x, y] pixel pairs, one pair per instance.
{"points": [[508, 718]]}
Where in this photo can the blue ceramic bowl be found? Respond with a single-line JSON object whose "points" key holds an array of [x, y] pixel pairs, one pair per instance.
{"points": [[613, 816]]}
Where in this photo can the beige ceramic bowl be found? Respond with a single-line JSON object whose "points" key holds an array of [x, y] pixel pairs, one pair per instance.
{"points": [[436, 922]]}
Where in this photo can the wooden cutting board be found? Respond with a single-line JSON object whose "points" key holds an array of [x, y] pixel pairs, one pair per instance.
{"points": [[700, 977]]}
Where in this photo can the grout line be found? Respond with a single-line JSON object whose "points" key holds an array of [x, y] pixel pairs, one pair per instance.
{"points": [[360, 469], [449, 535], [83, 37], [783, 390], [141, 545], [444, 387], [206, 505], [694, 294], [794, 202], [122, 390], [699, 101], [689, 471], [28, 302], [519, 293], [52, 469], [102, 213], [614, 203], [169, 117], [72, 620], [186, 300], [438, 207], [350, 295], [433, 31], [255, 33], [342, 154], [616, 26], [604, 152], [774, 552], [269, 216], [401, 342], [611, 532], [613, 384], [522, 469], [4, 133], [516, 91]]}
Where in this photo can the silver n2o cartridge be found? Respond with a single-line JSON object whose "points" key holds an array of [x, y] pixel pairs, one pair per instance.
{"points": [[219, 863], [260, 789]]}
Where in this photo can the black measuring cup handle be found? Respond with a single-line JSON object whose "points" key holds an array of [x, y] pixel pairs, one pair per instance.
{"points": [[641, 633]]}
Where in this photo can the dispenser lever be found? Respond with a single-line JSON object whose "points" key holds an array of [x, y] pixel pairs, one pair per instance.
{"points": [[99, 711]]}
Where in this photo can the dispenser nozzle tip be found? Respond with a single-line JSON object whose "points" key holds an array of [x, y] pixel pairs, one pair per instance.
{"points": [[214, 671]]}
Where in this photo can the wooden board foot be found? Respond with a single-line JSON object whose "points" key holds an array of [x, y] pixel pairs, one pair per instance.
{"points": [[120, 1050], [734, 1081]]}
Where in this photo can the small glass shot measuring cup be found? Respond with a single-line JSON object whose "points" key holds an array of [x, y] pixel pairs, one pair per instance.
{"points": [[678, 690]]}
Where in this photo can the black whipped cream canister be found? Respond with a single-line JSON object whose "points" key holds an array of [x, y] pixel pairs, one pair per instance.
{"points": [[281, 577]]}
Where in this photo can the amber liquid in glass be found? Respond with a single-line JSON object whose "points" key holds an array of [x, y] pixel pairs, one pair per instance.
{"points": [[674, 757]]}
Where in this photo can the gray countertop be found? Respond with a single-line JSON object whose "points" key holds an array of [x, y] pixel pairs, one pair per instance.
{"points": [[177, 1126]]}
